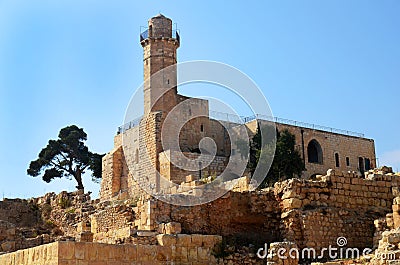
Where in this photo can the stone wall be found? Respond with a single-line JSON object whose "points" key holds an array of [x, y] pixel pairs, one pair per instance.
{"points": [[316, 213], [176, 172], [183, 249], [19, 212], [347, 147], [113, 164], [248, 215], [112, 223]]}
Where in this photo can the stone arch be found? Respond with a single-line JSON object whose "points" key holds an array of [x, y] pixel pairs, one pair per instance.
{"points": [[314, 152]]}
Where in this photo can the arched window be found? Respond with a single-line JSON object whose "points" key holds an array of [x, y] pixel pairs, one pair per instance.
{"points": [[314, 152], [337, 162]]}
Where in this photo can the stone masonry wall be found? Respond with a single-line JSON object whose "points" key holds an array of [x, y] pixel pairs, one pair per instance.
{"points": [[331, 143], [19, 212], [177, 174], [316, 213], [235, 214], [180, 249]]}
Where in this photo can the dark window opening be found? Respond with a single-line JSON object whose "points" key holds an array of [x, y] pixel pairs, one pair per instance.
{"points": [[168, 81], [314, 152], [137, 156], [337, 162], [367, 164], [347, 161], [201, 128], [361, 166]]}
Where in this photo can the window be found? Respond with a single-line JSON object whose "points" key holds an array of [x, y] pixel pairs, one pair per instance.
{"points": [[337, 162], [137, 156], [201, 128], [367, 163], [347, 161], [361, 165], [314, 152]]}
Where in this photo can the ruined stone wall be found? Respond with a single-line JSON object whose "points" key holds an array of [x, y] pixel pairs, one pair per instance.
{"points": [[112, 218], [345, 146], [316, 213], [248, 215], [112, 174], [176, 172], [19, 212]]}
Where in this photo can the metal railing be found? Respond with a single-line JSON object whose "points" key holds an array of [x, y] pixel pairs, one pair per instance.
{"points": [[174, 34], [229, 117], [129, 125], [303, 124], [242, 120]]}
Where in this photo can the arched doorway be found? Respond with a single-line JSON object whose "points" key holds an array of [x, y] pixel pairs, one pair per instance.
{"points": [[314, 152]]}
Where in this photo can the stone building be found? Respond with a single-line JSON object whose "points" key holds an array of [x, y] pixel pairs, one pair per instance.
{"points": [[141, 158]]}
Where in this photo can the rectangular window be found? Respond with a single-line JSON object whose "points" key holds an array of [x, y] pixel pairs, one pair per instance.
{"points": [[347, 161], [337, 162], [367, 164], [361, 165]]}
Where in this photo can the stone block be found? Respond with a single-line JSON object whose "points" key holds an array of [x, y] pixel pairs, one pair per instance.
{"points": [[173, 228], [66, 250], [145, 233], [292, 203], [197, 240], [130, 252], [8, 246], [183, 240], [166, 240], [211, 240], [190, 178]]}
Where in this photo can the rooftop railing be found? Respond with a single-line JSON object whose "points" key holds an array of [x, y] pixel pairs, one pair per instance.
{"points": [[242, 120], [303, 125], [174, 34]]}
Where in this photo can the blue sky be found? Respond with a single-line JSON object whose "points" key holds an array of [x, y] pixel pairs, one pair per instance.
{"points": [[334, 63]]}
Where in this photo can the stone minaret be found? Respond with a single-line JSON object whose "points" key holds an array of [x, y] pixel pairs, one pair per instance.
{"points": [[159, 44]]}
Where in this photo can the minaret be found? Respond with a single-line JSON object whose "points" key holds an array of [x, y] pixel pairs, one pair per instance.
{"points": [[159, 44]]}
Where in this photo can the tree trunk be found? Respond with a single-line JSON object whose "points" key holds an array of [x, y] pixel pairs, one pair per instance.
{"points": [[78, 178]]}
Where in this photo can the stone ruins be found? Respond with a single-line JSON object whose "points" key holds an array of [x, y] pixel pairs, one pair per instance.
{"points": [[340, 196]]}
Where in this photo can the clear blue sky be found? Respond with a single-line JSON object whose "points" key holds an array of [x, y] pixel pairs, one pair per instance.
{"points": [[332, 62]]}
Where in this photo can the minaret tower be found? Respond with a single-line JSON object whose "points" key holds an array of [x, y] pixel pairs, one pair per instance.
{"points": [[159, 44]]}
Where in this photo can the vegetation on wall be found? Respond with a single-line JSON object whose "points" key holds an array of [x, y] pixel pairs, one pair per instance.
{"points": [[287, 162]]}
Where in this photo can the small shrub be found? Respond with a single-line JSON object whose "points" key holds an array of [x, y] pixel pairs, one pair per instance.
{"points": [[64, 203], [71, 210]]}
